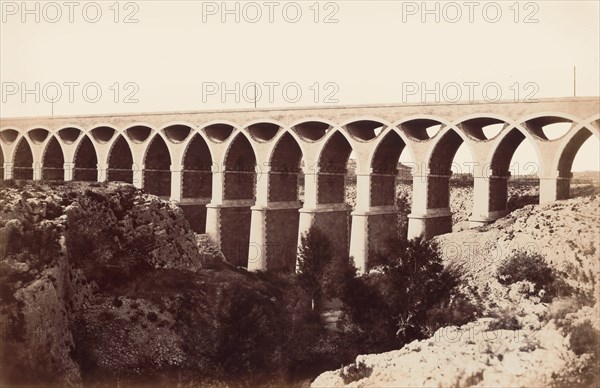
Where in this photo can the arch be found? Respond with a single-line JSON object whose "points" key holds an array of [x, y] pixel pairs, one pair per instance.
{"points": [[384, 167], [239, 183], [120, 161], [333, 162], [196, 185], [421, 128], [499, 167], [285, 163], [240, 166], [504, 151], [483, 127], [53, 162], [313, 130], [23, 161], [506, 148], [69, 135], [86, 161], [9, 135], [444, 150], [365, 130], [263, 131], [387, 152], [103, 134], [138, 133], [219, 132], [549, 126], [439, 166], [38, 135], [177, 133], [157, 168], [197, 169]]}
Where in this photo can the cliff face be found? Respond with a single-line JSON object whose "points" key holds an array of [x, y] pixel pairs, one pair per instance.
{"points": [[60, 245]]}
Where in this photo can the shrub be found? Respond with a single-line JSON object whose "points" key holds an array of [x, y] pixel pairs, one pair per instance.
{"points": [[355, 372], [585, 339], [117, 302], [506, 319], [526, 266], [455, 311], [391, 307], [152, 317]]}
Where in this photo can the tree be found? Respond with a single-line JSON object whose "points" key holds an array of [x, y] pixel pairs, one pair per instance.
{"points": [[321, 272]]}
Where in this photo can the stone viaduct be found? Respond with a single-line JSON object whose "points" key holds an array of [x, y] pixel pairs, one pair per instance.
{"points": [[235, 173]]}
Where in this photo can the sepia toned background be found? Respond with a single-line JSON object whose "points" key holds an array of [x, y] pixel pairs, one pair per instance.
{"points": [[152, 56]]}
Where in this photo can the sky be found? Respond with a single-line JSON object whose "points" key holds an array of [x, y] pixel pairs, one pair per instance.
{"points": [[70, 58]]}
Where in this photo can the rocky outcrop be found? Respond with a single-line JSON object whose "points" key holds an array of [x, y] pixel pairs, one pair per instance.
{"points": [[60, 245], [475, 354], [524, 341]]}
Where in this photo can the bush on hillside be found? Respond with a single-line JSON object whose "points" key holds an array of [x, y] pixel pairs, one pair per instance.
{"points": [[532, 267], [524, 265]]}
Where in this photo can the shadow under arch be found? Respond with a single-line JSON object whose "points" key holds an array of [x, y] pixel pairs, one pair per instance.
{"points": [[421, 127], [197, 181], [332, 164], [53, 161], [23, 160], [387, 170], [285, 181], [285, 167], [157, 168], [197, 169], [8, 135], [217, 131], [120, 161], [549, 125], [364, 129], [239, 183], [263, 130], [332, 181], [239, 169], [86, 161], [1, 163], [311, 129]]}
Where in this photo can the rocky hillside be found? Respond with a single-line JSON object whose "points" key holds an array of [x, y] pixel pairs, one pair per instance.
{"points": [[102, 284], [62, 244], [521, 339]]}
